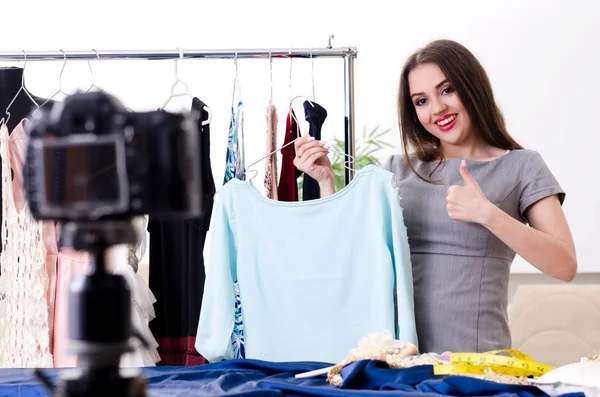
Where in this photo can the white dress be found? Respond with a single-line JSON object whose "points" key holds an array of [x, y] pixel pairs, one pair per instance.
{"points": [[24, 329]]}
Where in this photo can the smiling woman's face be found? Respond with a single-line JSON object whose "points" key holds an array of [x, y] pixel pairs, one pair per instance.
{"points": [[438, 106]]}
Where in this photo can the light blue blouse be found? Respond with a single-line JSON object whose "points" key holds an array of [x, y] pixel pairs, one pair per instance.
{"points": [[314, 276]]}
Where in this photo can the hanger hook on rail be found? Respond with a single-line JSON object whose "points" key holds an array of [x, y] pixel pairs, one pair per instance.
{"points": [[271, 76], [22, 88], [177, 81], [60, 90], [312, 66], [92, 72]]}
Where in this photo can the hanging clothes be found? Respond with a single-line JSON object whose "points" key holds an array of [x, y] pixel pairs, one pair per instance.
{"points": [[288, 185], [24, 312], [271, 162], [68, 263], [177, 265], [142, 311], [315, 114], [135, 252], [235, 168], [235, 164]]}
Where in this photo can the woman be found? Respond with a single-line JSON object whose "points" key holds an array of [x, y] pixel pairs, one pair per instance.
{"points": [[469, 194]]}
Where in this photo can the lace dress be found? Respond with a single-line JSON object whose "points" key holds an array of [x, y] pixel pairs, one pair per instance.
{"points": [[24, 325]]}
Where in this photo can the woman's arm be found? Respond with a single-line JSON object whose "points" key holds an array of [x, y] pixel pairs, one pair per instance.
{"points": [[547, 244]]}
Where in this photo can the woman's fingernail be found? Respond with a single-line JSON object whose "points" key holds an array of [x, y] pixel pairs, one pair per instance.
{"points": [[311, 138]]}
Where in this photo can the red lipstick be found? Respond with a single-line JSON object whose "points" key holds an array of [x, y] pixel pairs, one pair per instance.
{"points": [[446, 126]]}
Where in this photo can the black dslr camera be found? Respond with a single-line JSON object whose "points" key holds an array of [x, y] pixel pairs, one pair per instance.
{"points": [[90, 159], [93, 166]]}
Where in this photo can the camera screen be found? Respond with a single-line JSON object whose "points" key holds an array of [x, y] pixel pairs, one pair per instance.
{"points": [[79, 176]]}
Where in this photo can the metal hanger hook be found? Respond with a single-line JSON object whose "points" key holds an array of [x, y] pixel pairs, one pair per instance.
{"points": [[312, 66], [301, 96], [92, 72], [22, 88], [24, 66], [290, 56], [61, 71], [236, 80], [176, 64], [271, 75], [23, 81], [235, 62], [59, 80]]}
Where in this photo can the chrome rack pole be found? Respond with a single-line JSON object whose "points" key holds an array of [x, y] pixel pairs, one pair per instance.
{"points": [[175, 53], [349, 133], [348, 53]]}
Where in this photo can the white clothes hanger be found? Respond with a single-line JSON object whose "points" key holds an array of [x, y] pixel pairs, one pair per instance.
{"points": [[236, 81], [177, 81]]}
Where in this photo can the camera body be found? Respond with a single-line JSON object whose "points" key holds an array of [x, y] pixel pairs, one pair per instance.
{"points": [[91, 159]]}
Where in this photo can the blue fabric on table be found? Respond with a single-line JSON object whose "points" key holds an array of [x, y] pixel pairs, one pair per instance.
{"points": [[250, 378]]}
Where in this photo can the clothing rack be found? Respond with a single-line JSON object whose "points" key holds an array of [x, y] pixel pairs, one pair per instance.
{"points": [[347, 53]]}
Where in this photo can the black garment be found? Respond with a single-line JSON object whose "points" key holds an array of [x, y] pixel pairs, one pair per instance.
{"points": [[177, 267], [315, 115]]}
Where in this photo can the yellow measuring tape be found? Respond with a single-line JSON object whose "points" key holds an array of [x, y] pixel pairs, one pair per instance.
{"points": [[517, 364]]}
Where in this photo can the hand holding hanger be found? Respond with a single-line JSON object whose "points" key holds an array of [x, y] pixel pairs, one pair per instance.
{"points": [[311, 158], [308, 161]]}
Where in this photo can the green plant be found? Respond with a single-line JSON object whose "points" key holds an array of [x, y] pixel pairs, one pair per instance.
{"points": [[366, 146]]}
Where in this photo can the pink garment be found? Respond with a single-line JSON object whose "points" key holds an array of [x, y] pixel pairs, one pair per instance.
{"points": [[60, 264], [69, 263], [17, 144], [271, 162]]}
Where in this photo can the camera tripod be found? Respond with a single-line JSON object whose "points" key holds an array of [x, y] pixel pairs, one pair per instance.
{"points": [[99, 318]]}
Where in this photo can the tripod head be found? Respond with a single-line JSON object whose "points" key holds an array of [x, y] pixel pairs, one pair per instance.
{"points": [[99, 317]]}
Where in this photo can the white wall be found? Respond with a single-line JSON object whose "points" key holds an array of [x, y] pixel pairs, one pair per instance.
{"points": [[541, 56]]}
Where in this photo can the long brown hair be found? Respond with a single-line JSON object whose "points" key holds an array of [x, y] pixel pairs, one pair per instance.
{"points": [[472, 86]]}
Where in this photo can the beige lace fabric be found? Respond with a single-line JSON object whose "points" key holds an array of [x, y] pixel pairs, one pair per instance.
{"points": [[24, 331], [399, 361], [393, 360]]}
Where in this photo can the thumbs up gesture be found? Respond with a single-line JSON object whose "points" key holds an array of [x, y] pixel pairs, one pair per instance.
{"points": [[466, 203]]}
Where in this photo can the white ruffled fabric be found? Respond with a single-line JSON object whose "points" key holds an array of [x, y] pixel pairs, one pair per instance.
{"points": [[142, 311]]}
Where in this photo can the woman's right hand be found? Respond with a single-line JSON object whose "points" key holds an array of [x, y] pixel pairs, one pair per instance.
{"points": [[311, 158]]}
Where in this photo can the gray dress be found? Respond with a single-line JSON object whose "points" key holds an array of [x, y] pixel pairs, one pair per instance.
{"points": [[461, 269]]}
